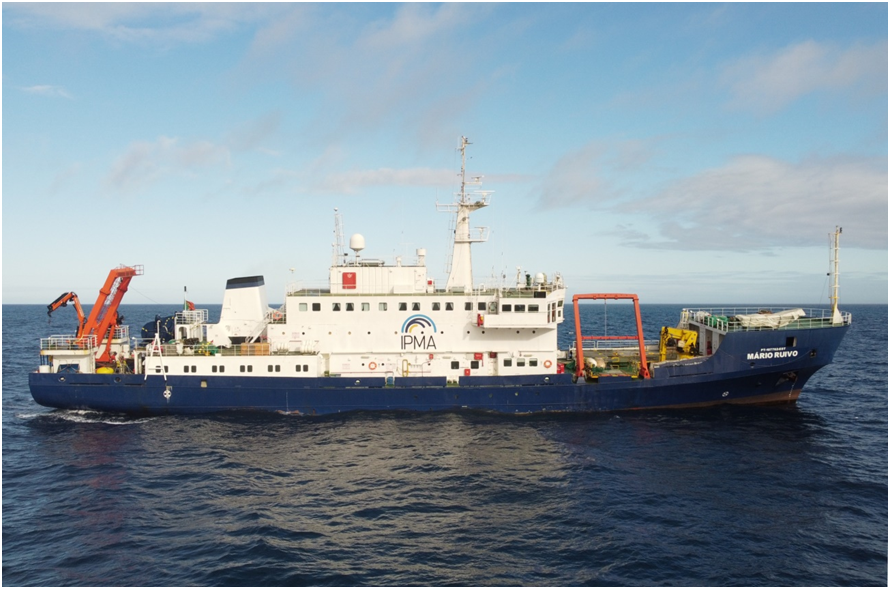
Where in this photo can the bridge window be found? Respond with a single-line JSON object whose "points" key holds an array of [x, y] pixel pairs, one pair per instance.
{"points": [[508, 362], [403, 306], [350, 306], [304, 307], [520, 308], [455, 365], [449, 306], [468, 306], [437, 307], [415, 306], [533, 308], [533, 362], [506, 308], [316, 306], [366, 306], [381, 306], [336, 306], [481, 306]]}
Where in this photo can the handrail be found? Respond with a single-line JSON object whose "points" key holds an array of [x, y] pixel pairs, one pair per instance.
{"points": [[523, 292], [192, 316], [722, 318], [68, 342]]}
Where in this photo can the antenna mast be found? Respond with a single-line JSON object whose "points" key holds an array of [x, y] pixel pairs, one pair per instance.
{"points": [[835, 288], [460, 276], [338, 239], [463, 169]]}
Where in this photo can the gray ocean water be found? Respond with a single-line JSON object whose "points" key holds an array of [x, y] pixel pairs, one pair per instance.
{"points": [[725, 496]]}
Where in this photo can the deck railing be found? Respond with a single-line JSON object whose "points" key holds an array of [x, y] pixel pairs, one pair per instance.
{"points": [[722, 318], [68, 342], [192, 317], [294, 290]]}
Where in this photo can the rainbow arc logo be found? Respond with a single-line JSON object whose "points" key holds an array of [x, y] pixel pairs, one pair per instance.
{"points": [[418, 322], [416, 334]]}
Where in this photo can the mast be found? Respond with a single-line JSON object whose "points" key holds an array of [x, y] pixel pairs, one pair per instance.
{"points": [[337, 255], [835, 288], [460, 277]]}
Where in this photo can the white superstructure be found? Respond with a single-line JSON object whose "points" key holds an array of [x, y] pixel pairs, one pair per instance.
{"points": [[373, 319], [392, 319]]}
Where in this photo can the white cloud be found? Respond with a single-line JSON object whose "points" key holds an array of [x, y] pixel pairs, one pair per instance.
{"points": [[63, 178], [593, 173], [575, 178], [252, 134], [716, 17], [757, 202], [768, 83], [152, 23], [752, 202], [354, 181], [47, 90], [282, 32], [411, 69], [144, 163], [414, 25]]}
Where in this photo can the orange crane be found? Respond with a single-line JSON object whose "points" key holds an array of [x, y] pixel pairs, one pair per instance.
{"points": [[103, 316], [63, 301]]}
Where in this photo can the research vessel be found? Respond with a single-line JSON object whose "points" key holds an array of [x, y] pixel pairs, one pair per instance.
{"points": [[387, 336]]}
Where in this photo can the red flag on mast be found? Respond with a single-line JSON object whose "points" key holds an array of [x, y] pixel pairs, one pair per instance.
{"points": [[187, 304]]}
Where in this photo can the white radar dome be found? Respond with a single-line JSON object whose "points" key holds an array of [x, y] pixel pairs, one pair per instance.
{"points": [[357, 242]]}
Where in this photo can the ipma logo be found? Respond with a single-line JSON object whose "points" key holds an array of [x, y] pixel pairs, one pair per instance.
{"points": [[417, 333]]}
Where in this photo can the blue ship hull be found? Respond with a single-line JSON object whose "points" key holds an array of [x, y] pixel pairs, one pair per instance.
{"points": [[731, 375]]}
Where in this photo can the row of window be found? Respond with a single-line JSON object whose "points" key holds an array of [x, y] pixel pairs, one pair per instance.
{"points": [[455, 365], [520, 362], [245, 368], [505, 308]]}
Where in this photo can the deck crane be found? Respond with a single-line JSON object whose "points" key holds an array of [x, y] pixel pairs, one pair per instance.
{"points": [[103, 316], [62, 301]]}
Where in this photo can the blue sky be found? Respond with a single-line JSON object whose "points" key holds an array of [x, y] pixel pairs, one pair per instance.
{"points": [[691, 153]]}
